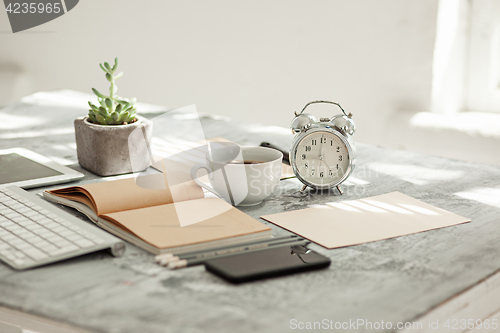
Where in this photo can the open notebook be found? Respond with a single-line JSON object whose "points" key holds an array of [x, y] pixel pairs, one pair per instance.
{"points": [[149, 213]]}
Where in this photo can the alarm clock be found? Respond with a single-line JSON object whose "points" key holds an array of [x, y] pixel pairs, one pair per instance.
{"points": [[322, 154]]}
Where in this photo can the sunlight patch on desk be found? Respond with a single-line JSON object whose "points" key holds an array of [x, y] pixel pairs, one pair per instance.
{"points": [[61, 98], [355, 181], [36, 134], [414, 174], [485, 195], [365, 207], [10, 121], [419, 210], [342, 206], [389, 207], [61, 160]]}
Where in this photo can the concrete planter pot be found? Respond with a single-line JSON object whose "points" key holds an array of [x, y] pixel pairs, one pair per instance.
{"points": [[108, 150]]}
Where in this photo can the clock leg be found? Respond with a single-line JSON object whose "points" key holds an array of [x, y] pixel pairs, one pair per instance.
{"points": [[303, 189], [338, 188]]}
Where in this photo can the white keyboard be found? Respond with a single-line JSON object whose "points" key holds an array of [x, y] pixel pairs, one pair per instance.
{"points": [[33, 232]]}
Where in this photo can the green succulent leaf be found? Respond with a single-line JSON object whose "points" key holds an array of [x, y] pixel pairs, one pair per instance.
{"points": [[98, 94], [124, 116], [133, 100], [104, 69], [109, 77], [116, 64], [131, 116], [103, 111], [100, 119], [119, 108], [119, 75], [126, 104], [109, 119], [95, 108], [115, 116], [92, 117], [109, 103], [108, 67]]}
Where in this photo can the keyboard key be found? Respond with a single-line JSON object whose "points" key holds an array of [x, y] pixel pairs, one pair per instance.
{"points": [[35, 239], [19, 219], [6, 224], [37, 217], [62, 243], [12, 215], [13, 228], [84, 243], [19, 255], [96, 240], [4, 246], [24, 246], [64, 250], [21, 232], [16, 206], [44, 233], [17, 242], [44, 221], [73, 237], [49, 249], [35, 254], [65, 233], [41, 244], [30, 214], [29, 236], [44, 211], [19, 262], [30, 204], [9, 238]]}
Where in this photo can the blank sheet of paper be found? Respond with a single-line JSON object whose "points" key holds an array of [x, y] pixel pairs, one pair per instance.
{"points": [[352, 222]]}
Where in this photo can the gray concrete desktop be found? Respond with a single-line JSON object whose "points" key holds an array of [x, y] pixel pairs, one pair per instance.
{"points": [[394, 280]]}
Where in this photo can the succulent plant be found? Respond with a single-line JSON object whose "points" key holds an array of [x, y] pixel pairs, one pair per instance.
{"points": [[113, 110]]}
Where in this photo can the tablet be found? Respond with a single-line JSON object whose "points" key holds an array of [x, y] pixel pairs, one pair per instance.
{"points": [[26, 169]]}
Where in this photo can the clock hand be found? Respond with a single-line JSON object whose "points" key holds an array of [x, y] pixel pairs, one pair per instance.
{"points": [[328, 167], [324, 161], [321, 157], [322, 149]]}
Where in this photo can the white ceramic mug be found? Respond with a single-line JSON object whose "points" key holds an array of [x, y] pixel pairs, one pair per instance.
{"points": [[243, 176]]}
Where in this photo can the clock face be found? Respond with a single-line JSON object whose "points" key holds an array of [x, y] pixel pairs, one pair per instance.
{"points": [[322, 158]]}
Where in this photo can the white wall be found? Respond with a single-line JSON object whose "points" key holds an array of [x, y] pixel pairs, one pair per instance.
{"points": [[250, 60]]}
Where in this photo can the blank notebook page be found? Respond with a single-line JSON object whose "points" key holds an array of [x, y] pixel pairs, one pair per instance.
{"points": [[352, 222]]}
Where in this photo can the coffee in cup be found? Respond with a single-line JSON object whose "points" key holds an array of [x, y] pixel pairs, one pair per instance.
{"points": [[243, 176]]}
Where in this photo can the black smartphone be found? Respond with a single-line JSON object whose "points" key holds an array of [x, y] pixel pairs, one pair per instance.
{"points": [[266, 263]]}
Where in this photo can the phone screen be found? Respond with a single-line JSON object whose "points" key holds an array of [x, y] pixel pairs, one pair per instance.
{"points": [[266, 263]]}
